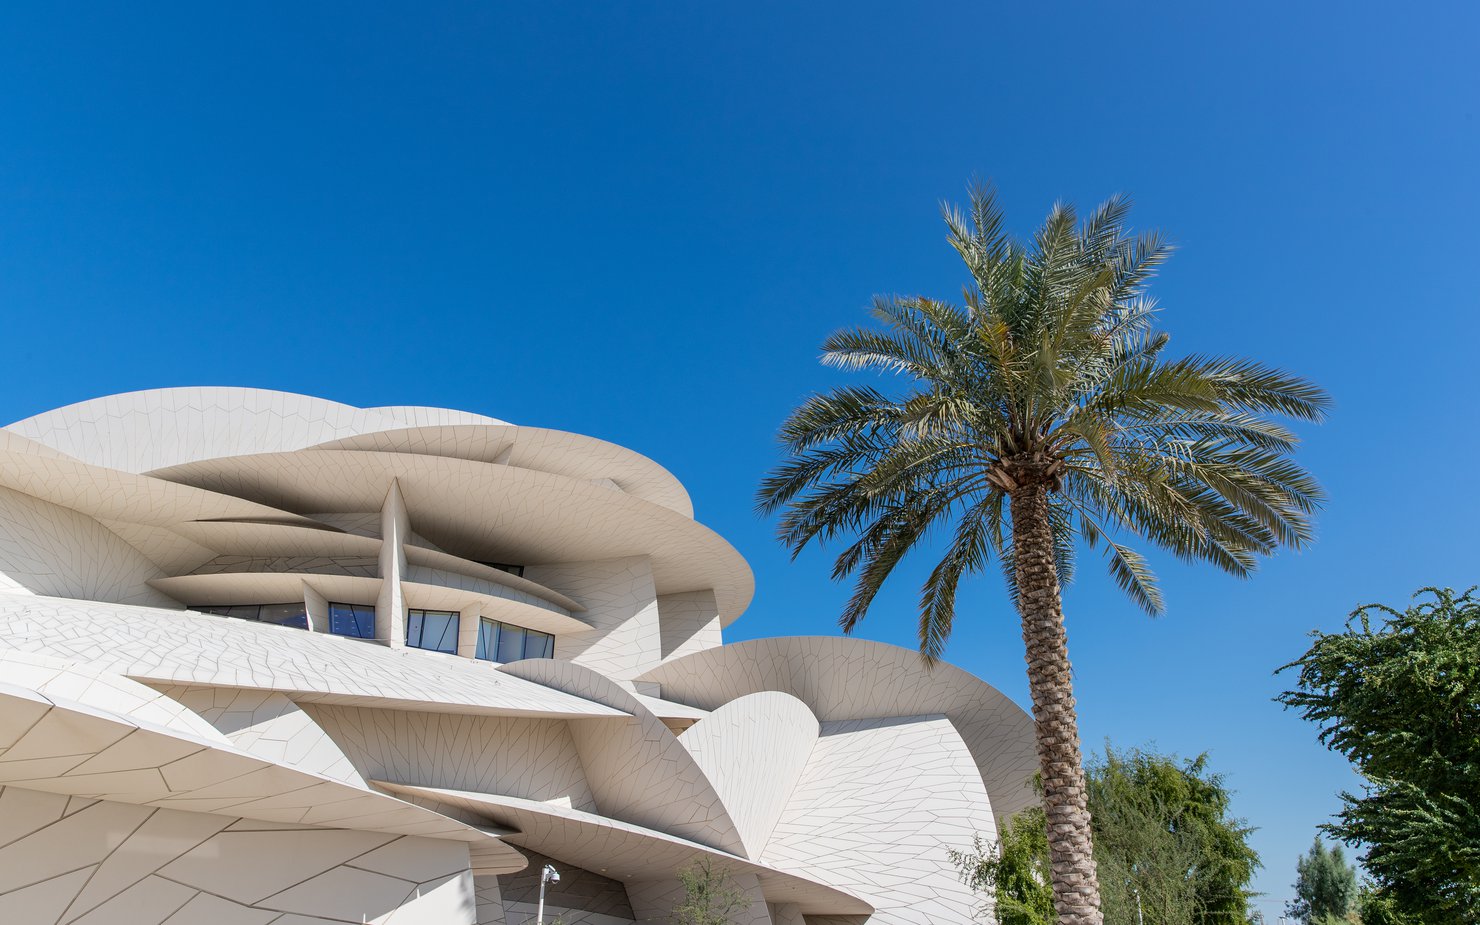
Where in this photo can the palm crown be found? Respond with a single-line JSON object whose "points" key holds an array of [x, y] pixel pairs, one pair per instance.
{"points": [[1051, 372]]}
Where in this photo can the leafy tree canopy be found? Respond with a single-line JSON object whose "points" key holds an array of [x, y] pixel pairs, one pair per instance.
{"points": [[1399, 695], [1325, 886], [1376, 908], [1163, 837], [1015, 873], [710, 896]]}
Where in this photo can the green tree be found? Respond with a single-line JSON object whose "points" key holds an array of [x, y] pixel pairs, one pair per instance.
{"points": [[1325, 886], [710, 897], [1165, 833], [1014, 872], [1376, 908], [1167, 849], [1041, 413], [1400, 697]]}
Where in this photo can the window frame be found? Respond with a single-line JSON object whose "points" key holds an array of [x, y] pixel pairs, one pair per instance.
{"points": [[516, 570], [356, 615], [492, 636], [454, 624], [220, 610]]}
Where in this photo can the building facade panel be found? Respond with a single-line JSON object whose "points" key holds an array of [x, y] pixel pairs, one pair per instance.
{"points": [[754, 749], [878, 806], [521, 756], [52, 551], [109, 863]]}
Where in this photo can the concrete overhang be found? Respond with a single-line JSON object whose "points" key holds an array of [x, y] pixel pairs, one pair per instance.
{"points": [[627, 852], [489, 512]]}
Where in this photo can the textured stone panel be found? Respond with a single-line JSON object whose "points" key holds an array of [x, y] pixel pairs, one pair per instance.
{"points": [[841, 678], [84, 683], [490, 901], [622, 608], [525, 757], [140, 431], [523, 516], [570, 455], [635, 767], [54, 551], [109, 863], [390, 607], [625, 851], [479, 585], [688, 623], [270, 726], [355, 566], [879, 806], [754, 750], [74, 749], [786, 914], [113, 496]]}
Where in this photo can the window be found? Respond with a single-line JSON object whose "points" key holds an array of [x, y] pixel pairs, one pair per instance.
{"points": [[504, 567], [510, 643], [432, 629], [355, 620], [505, 642], [487, 640], [538, 645], [293, 615]]}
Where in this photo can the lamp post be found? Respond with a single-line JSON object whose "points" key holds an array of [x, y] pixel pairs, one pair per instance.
{"points": [[1131, 885], [548, 874]]}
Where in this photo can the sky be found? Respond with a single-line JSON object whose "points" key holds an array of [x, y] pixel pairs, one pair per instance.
{"points": [[639, 221]]}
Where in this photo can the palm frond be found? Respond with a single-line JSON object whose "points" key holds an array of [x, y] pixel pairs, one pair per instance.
{"points": [[850, 411], [1246, 385], [977, 537], [1134, 576]]}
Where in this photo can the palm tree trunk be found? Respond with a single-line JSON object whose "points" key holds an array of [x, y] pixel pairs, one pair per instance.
{"points": [[1076, 889]]}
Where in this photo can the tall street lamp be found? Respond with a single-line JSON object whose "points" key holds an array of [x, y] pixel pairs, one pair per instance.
{"points": [[547, 875]]}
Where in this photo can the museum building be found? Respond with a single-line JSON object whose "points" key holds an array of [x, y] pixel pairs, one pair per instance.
{"points": [[268, 659]]}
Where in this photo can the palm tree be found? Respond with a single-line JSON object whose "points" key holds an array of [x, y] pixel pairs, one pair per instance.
{"points": [[1040, 417]]}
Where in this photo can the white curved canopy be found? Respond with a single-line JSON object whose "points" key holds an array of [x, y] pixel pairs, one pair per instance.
{"points": [[845, 679], [55, 745], [139, 431], [157, 428], [754, 750], [638, 770], [571, 455], [624, 851], [114, 494], [522, 515]]}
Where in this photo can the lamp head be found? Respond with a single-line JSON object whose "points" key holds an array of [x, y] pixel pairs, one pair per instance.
{"points": [[550, 874]]}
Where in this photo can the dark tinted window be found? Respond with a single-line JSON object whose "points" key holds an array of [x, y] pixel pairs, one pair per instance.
{"points": [[505, 567], [355, 620], [432, 629], [292, 615], [487, 640], [505, 642]]}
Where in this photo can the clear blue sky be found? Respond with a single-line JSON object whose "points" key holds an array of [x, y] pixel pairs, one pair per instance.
{"points": [[638, 221]]}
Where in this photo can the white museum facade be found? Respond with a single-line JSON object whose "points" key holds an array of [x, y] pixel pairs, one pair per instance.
{"points": [[267, 659]]}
